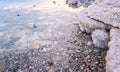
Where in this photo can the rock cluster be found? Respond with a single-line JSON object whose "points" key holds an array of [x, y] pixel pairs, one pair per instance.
{"points": [[78, 3], [102, 20]]}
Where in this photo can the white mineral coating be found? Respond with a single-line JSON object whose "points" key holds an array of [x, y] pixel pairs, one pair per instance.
{"points": [[100, 38], [113, 55]]}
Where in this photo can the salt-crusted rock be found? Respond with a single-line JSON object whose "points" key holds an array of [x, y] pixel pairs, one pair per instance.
{"points": [[107, 14], [88, 25], [113, 55], [100, 38]]}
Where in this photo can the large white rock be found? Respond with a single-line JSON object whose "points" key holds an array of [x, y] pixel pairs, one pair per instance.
{"points": [[113, 55], [100, 38], [88, 25], [107, 14]]}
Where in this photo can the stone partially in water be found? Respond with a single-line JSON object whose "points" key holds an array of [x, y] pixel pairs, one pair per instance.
{"points": [[100, 38], [113, 55]]}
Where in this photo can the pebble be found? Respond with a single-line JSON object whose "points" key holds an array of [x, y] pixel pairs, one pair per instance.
{"points": [[35, 25], [89, 43], [18, 14], [34, 5], [51, 70], [19, 70], [54, 1], [50, 63]]}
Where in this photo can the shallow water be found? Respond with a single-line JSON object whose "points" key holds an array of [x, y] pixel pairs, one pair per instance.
{"points": [[31, 25], [40, 36], [43, 26]]}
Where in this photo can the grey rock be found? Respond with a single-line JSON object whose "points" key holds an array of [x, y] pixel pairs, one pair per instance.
{"points": [[100, 38]]}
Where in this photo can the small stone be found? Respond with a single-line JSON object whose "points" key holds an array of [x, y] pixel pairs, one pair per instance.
{"points": [[34, 5], [77, 50], [51, 70], [95, 62], [50, 63], [26, 70], [35, 26], [89, 43], [18, 14], [19, 70], [88, 57], [81, 67], [54, 1]]}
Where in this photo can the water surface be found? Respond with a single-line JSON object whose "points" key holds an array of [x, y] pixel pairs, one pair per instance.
{"points": [[28, 25]]}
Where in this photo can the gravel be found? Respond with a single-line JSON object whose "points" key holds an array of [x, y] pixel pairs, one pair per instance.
{"points": [[80, 56], [85, 57]]}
